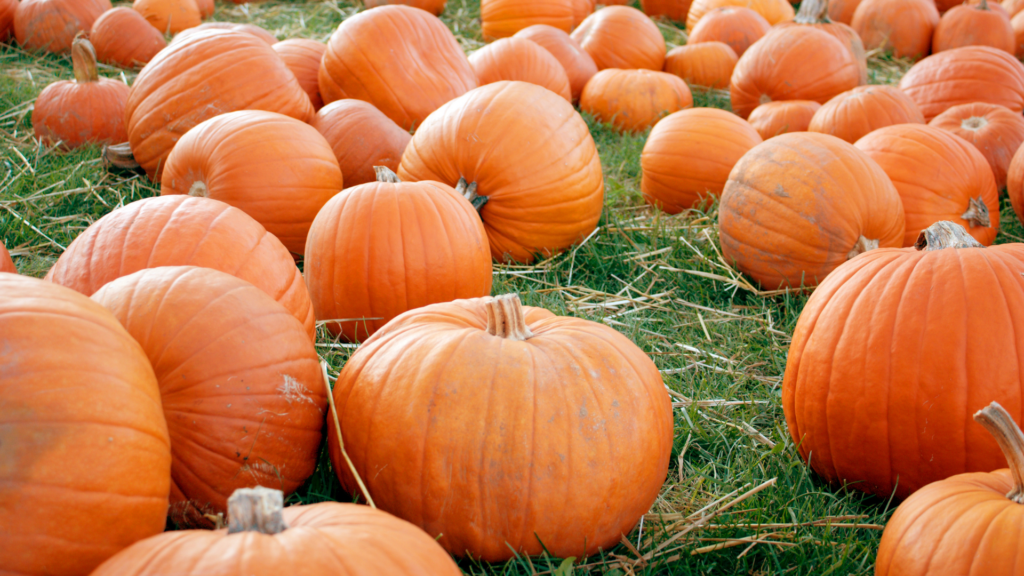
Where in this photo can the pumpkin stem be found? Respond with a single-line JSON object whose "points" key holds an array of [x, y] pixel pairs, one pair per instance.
{"points": [[863, 245], [983, 5], [505, 318], [256, 510], [975, 123], [120, 156], [384, 174], [764, 99], [813, 12], [83, 58], [199, 189], [977, 213], [945, 234], [468, 191], [1001, 426]]}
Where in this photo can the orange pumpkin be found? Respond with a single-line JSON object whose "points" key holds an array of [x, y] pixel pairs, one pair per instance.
{"points": [[303, 58], [169, 16], [265, 35], [600, 398], [774, 11], [974, 25], [1015, 183], [944, 5], [183, 231], [621, 37], [435, 7], [539, 181], [792, 63], [994, 130], [964, 76], [580, 10], [6, 264], [85, 460], [1017, 23], [1013, 7], [7, 10], [274, 168], [815, 13], [939, 177], [421, 69], [671, 9], [799, 205], [705, 64], [634, 100], [688, 157], [123, 37], [503, 18], [206, 8], [240, 383], [88, 110], [855, 113], [843, 10], [520, 59], [52, 25], [172, 93], [362, 137], [904, 27], [578, 64], [736, 26], [774, 118]]}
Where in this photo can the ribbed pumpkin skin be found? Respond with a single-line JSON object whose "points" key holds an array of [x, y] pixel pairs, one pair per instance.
{"points": [[324, 538], [85, 457], [855, 113], [172, 93], [1013, 7], [967, 25], [456, 392], [543, 179], [361, 137], [382, 249], [578, 64], [183, 231], [705, 64], [169, 16], [671, 9], [240, 383], [435, 7], [523, 60], [795, 206], [274, 168], [6, 264], [774, 11], [79, 113], [774, 118], [903, 26], [936, 175], [994, 130], [123, 37], [847, 37], [621, 37], [580, 10], [7, 9], [1018, 35], [206, 8], [51, 25], [634, 100], [253, 30], [689, 155], [792, 63], [303, 58], [421, 69], [892, 355], [842, 10], [964, 76], [504, 18], [736, 26]]}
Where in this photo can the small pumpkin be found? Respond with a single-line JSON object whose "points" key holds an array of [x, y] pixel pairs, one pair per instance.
{"points": [[6, 264], [774, 11], [261, 33], [503, 18], [672, 9], [52, 25], [815, 13], [774, 118], [994, 130], [621, 37], [707, 64], [974, 25], [634, 100], [843, 10], [964, 76], [736, 26], [520, 59], [169, 16], [122, 37], [904, 27], [855, 113], [435, 7], [7, 10], [361, 137], [303, 58], [578, 64]]}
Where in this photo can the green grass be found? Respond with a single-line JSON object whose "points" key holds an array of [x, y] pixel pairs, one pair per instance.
{"points": [[722, 348]]}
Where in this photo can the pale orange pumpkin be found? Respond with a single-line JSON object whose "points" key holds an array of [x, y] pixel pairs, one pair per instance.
{"points": [[994, 130], [262, 33], [737, 26], [361, 137], [774, 11], [503, 18], [774, 118], [707, 64], [303, 58], [123, 37], [634, 100], [169, 16], [578, 64], [858, 112], [843, 10], [621, 37], [1013, 7], [523, 60], [580, 10]]}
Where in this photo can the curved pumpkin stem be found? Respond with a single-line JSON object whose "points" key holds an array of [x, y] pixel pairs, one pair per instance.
{"points": [[945, 234], [385, 174], [813, 12], [977, 213], [1001, 426], [468, 191], [863, 245], [83, 58], [256, 510], [505, 318], [120, 156]]}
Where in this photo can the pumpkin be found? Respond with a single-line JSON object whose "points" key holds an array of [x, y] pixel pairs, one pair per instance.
{"points": [[240, 383], [944, 5], [1015, 183], [303, 58], [974, 25], [86, 110], [689, 154], [578, 64], [263, 34], [994, 130], [843, 10], [1013, 7], [799, 205], [580, 10], [815, 13], [85, 458], [520, 59], [855, 113], [599, 397], [206, 8], [1017, 23], [736, 26], [774, 118], [6, 264], [52, 25], [904, 27], [792, 63], [7, 10], [503, 18], [400, 59], [169, 16], [180, 231], [634, 100], [264, 537], [435, 7], [774, 11], [274, 168], [538, 182], [122, 37], [925, 333], [671, 9], [705, 64], [361, 137], [964, 76], [621, 37]]}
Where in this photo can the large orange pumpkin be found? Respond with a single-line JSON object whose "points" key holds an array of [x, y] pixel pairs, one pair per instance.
{"points": [[183, 231], [123, 37], [361, 137], [52, 25], [7, 10], [303, 58], [774, 11], [904, 27], [774, 118], [855, 113], [964, 76], [799, 205], [671, 9], [402, 60], [6, 264], [85, 457], [974, 25], [240, 383], [503, 18], [1015, 183], [435, 7], [578, 64], [734, 25], [621, 37], [523, 60], [815, 13], [707, 64], [634, 100], [894, 352], [422, 399], [169, 16], [540, 177], [172, 94], [843, 10], [994, 130]]}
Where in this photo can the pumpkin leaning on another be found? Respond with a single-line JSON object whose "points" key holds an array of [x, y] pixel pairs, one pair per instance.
{"points": [[303, 58], [523, 60], [578, 64], [774, 118], [52, 25], [621, 37], [993, 129], [965, 76], [634, 100], [361, 137], [858, 112], [123, 37]]}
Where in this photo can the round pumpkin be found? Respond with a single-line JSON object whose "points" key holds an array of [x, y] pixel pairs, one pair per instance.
{"points": [[85, 457], [123, 37], [523, 60], [580, 10], [402, 60], [634, 100], [855, 113], [361, 137], [774, 11], [671, 9], [52, 25], [736, 26], [578, 64], [974, 25], [539, 186], [799, 205], [7, 10], [6, 264], [994, 130], [435, 7], [815, 13], [904, 27], [169, 16], [621, 37], [774, 118], [964, 76], [892, 354], [206, 8], [253, 30], [303, 58], [843, 10], [476, 375], [503, 18], [689, 155], [274, 168], [240, 383], [705, 64], [183, 231]]}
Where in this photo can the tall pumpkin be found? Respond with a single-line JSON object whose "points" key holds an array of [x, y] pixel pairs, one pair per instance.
{"points": [[503, 18], [773, 118], [52, 25], [361, 137], [974, 25], [303, 57], [858, 112], [903, 26], [993, 129], [523, 60], [634, 100], [621, 37], [578, 64], [736, 26], [964, 76], [774, 11], [122, 37]]}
